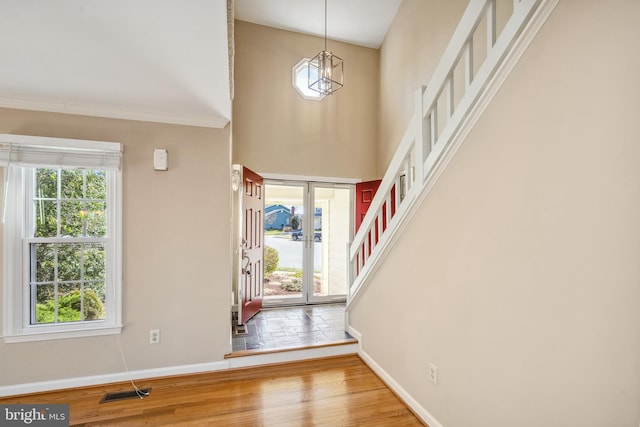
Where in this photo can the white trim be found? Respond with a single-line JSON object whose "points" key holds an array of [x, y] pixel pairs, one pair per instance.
{"points": [[37, 387], [407, 399], [12, 259], [354, 333], [443, 158], [5, 193], [116, 247], [114, 112], [390, 382], [308, 178], [396, 225], [17, 327], [292, 356], [40, 335], [232, 363], [493, 85]]}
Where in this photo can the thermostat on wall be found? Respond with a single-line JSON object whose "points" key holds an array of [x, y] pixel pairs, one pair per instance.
{"points": [[160, 159]]}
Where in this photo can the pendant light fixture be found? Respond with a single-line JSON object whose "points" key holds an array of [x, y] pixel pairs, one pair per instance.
{"points": [[325, 70]]}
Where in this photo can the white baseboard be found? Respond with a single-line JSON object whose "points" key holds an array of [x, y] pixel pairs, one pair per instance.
{"points": [[37, 387], [292, 356], [354, 333], [417, 409], [237, 362]]}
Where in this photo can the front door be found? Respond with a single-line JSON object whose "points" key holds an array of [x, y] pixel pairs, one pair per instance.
{"points": [[251, 269], [307, 228], [364, 196]]}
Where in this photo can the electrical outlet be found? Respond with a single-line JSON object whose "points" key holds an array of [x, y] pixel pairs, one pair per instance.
{"points": [[433, 373], [154, 336]]}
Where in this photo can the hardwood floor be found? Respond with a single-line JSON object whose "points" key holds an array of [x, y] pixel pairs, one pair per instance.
{"points": [[338, 391]]}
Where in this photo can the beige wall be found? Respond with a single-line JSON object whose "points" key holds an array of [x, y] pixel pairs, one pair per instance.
{"points": [[176, 258], [519, 273], [407, 60], [275, 130], [409, 57]]}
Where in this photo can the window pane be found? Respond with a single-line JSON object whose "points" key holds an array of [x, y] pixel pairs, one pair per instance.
{"points": [[332, 221], [303, 76], [93, 305], [96, 219], [284, 242], [45, 262], [76, 304], [47, 183], [69, 262], [69, 303], [94, 259], [98, 289], [45, 304], [96, 185], [46, 218], [68, 279], [71, 184], [72, 219]]}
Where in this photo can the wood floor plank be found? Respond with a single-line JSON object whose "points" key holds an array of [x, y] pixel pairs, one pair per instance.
{"points": [[337, 391]]}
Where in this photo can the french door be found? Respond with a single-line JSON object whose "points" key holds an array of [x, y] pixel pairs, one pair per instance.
{"points": [[308, 226]]}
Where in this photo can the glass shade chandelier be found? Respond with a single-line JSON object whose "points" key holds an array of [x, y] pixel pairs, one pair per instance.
{"points": [[325, 71]]}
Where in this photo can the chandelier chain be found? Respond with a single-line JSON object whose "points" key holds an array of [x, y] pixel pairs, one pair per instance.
{"points": [[325, 25], [325, 71]]}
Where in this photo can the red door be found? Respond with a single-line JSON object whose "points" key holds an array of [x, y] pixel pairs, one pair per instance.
{"points": [[364, 195], [251, 270]]}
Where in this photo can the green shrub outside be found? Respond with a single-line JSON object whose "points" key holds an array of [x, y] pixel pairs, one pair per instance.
{"points": [[294, 285], [271, 259], [69, 308]]}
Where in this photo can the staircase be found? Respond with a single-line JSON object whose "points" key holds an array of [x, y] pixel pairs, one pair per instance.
{"points": [[445, 111]]}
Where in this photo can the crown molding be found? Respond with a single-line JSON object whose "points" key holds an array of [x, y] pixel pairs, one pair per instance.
{"points": [[215, 120]]}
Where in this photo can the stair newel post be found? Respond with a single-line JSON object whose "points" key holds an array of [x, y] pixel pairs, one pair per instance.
{"points": [[351, 269]]}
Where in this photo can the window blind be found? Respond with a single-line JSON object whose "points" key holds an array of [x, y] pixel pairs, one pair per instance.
{"points": [[23, 150]]}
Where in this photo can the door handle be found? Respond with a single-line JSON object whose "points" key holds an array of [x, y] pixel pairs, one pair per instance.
{"points": [[245, 269]]}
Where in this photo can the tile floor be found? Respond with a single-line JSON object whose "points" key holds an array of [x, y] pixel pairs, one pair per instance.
{"points": [[290, 327]]}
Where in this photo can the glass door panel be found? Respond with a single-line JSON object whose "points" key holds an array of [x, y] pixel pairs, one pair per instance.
{"points": [[284, 251], [307, 229], [332, 222]]}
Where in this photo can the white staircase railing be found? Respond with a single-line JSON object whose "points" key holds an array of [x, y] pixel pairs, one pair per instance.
{"points": [[461, 86]]}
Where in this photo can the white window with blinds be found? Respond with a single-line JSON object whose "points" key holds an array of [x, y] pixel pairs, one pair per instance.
{"points": [[61, 238]]}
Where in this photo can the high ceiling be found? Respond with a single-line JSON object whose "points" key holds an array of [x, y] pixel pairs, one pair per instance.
{"points": [[153, 60], [361, 22]]}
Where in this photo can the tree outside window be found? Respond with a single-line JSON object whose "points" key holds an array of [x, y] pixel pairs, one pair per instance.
{"points": [[68, 262]]}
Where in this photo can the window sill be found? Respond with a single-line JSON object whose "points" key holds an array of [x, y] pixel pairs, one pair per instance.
{"points": [[41, 335]]}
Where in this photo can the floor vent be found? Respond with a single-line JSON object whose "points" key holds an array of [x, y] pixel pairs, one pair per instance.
{"points": [[122, 395]]}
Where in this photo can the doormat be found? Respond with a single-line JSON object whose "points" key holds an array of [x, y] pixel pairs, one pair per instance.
{"points": [[123, 395]]}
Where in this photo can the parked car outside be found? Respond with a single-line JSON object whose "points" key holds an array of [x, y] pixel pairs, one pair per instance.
{"points": [[298, 235]]}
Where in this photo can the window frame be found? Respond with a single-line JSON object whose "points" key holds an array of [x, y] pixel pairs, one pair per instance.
{"points": [[19, 217], [304, 91]]}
